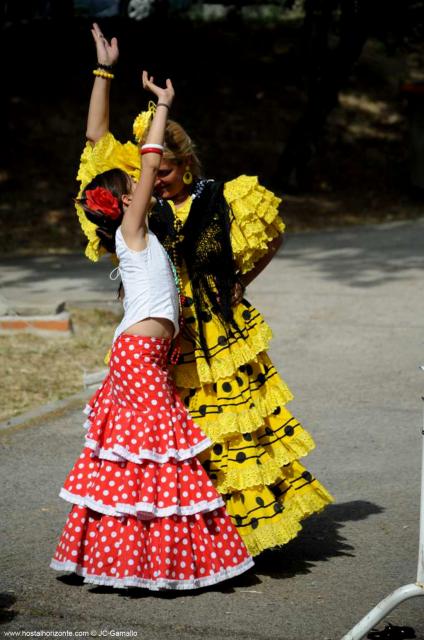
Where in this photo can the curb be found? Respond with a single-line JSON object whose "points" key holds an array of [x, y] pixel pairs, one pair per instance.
{"points": [[47, 412], [58, 324]]}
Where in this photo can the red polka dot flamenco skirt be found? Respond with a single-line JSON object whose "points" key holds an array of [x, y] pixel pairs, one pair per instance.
{"points": [[145, 513]]}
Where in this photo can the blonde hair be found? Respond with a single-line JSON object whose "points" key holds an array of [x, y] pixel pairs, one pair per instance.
{"points": [[180, 148]]}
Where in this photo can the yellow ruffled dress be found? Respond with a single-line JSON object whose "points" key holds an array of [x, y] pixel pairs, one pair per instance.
{"points": [[237, 398]]}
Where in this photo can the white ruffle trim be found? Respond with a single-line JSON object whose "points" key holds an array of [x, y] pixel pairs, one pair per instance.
{"points": [[153, 585], [119, 453], [144, 511], [87, 409]]}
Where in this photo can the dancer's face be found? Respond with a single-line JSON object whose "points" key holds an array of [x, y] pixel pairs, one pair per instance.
{"points": [[169, 180]]}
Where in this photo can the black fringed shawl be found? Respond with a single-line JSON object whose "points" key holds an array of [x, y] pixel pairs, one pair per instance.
{"points": [[204, 244]]}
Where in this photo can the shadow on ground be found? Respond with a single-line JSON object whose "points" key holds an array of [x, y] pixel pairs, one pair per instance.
{"points": [[362, 257], [319, 541], [359, 257]]}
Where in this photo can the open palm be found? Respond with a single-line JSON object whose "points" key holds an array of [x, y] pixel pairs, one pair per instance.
{"points": [[164, 94], [107, 52]]}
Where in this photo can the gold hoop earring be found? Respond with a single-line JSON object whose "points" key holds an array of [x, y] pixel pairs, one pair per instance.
{"points": [[188, 176]]}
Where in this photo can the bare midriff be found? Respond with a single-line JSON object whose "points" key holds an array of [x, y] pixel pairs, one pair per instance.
{"points": [[152, 328]]}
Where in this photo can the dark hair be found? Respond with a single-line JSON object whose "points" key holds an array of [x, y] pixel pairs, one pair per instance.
{"points": [[119, 184]]}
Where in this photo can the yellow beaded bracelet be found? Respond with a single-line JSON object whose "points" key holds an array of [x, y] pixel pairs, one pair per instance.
{"points": [[103, 74]]}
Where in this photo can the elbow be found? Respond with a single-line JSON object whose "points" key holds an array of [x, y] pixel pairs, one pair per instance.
{"points": [[93, 136], [151, 164], [92, 139]]}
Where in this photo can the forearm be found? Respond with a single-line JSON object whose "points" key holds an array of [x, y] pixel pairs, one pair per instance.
{"points": [[151, 160], [156, 133], [98, 112], [273, 247], [135, 217]]}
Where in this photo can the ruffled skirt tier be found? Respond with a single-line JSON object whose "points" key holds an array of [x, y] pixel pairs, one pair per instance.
{"points": [[144, 511], [239, 400]]}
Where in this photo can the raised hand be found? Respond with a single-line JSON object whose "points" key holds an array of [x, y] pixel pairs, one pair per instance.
{"points": [[107, 52], [165, 95]]}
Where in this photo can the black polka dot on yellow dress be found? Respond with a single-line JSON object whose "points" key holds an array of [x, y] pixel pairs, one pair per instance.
{"points": [[238, 398]]}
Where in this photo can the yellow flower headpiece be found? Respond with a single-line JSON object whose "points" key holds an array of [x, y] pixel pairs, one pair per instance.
{"points": [[142, 121], [107, 153]]}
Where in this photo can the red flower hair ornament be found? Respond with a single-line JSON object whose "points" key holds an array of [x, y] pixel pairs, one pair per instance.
{"points": [[103, 201]]}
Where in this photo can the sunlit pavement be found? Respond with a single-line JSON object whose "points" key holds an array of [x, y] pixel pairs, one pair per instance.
{"points": [[347, 311]]}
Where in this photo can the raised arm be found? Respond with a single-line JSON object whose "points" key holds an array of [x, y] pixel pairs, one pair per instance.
{"points": [[134, 226], [98, 112]]}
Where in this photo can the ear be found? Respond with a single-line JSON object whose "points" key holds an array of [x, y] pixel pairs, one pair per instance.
{"points": [[126, 200]]}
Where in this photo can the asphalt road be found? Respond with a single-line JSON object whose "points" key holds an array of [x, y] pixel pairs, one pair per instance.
{"points": [[347, 310]]}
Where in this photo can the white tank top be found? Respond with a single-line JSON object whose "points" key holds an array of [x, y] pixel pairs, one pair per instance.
{"points": [[148, 280]]}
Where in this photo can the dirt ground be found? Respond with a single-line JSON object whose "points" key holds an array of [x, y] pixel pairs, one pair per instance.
{"points": [[239, 93], [57, 364]]}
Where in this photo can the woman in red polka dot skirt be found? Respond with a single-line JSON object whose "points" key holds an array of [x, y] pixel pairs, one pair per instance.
{"points": [[145, 513]]}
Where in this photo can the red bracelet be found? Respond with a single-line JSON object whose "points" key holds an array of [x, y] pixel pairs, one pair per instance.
{"points": [[151, 150]]}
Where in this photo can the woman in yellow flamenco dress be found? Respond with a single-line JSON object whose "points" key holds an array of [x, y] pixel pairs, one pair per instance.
{"points": [[224, 374]]}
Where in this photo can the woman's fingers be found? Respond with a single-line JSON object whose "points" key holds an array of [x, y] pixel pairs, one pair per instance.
{"points": [[149, 84], [145, 79], [114, 47], [96, 31], [107, 53], [95, 36], [99, 33], [99, 38]]}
